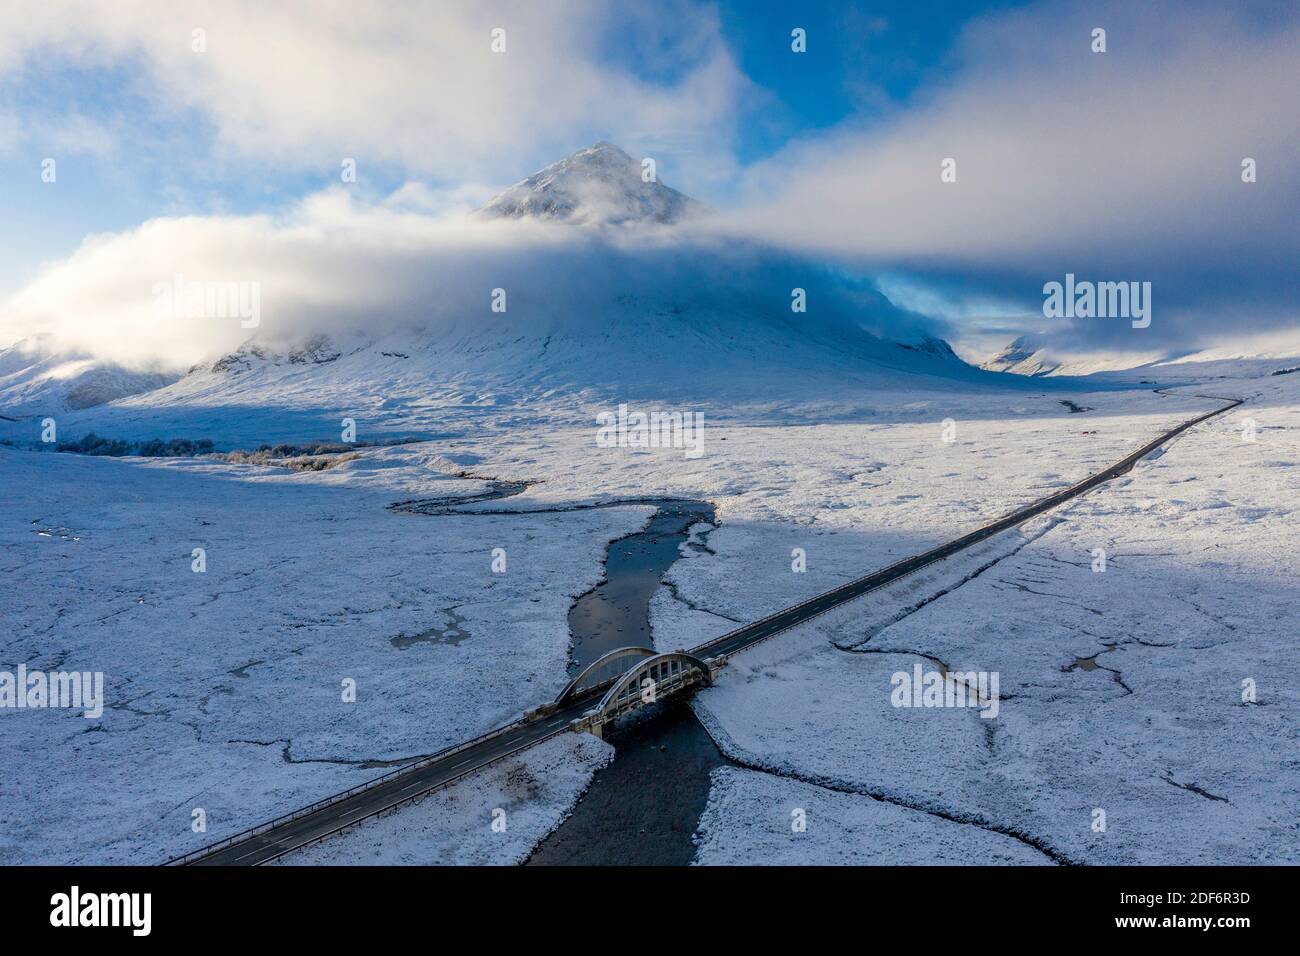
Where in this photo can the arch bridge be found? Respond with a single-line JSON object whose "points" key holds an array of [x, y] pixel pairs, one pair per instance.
{"points": [[631, 677]]}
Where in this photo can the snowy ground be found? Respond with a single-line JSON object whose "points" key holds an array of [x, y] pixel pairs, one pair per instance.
{"points": [[785, 822], [494, 817], [1121, 691], [224, 687]]}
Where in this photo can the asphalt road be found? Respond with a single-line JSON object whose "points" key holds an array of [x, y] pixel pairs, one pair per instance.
{"points": [[320, 820], [751, 634], [396, 789]]}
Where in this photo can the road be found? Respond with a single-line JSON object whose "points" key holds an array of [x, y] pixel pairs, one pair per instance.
{"points": [[751, 634], [282, 836]]}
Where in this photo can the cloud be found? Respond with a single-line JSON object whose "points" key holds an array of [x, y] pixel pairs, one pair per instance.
{"points": [[412, 86], [1118, 165], [332, 264]]}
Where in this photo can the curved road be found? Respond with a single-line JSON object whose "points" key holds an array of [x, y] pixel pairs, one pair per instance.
{"points": [[278, 837]]}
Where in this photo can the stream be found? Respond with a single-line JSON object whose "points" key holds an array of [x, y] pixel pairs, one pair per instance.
{"points": [[644, 806], [616, 612]]}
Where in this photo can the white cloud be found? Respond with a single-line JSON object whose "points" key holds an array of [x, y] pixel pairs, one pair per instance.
{"points": [[413, 85], [1124, 164], [325, 263], [335, 265]]}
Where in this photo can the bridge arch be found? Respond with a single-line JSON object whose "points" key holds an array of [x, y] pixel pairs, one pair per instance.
{"points": [[601, 671], [668, 671]]}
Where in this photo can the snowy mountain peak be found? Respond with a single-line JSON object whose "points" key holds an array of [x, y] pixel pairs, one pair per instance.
{"points": [[598, 185], [1024, 356]]}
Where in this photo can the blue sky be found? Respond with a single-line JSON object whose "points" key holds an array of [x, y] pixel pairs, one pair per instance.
{"points": [[863, 59]]}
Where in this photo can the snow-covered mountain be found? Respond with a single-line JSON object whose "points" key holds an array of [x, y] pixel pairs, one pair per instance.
{"points": [[1035, 356], [1022, 356], [595, 317], [659, 353], [38, 379], [598, 185]]}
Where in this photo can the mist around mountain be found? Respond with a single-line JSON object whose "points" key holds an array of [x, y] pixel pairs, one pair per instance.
{"points": [[37, 377], [584, 280], [586, 283]]}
